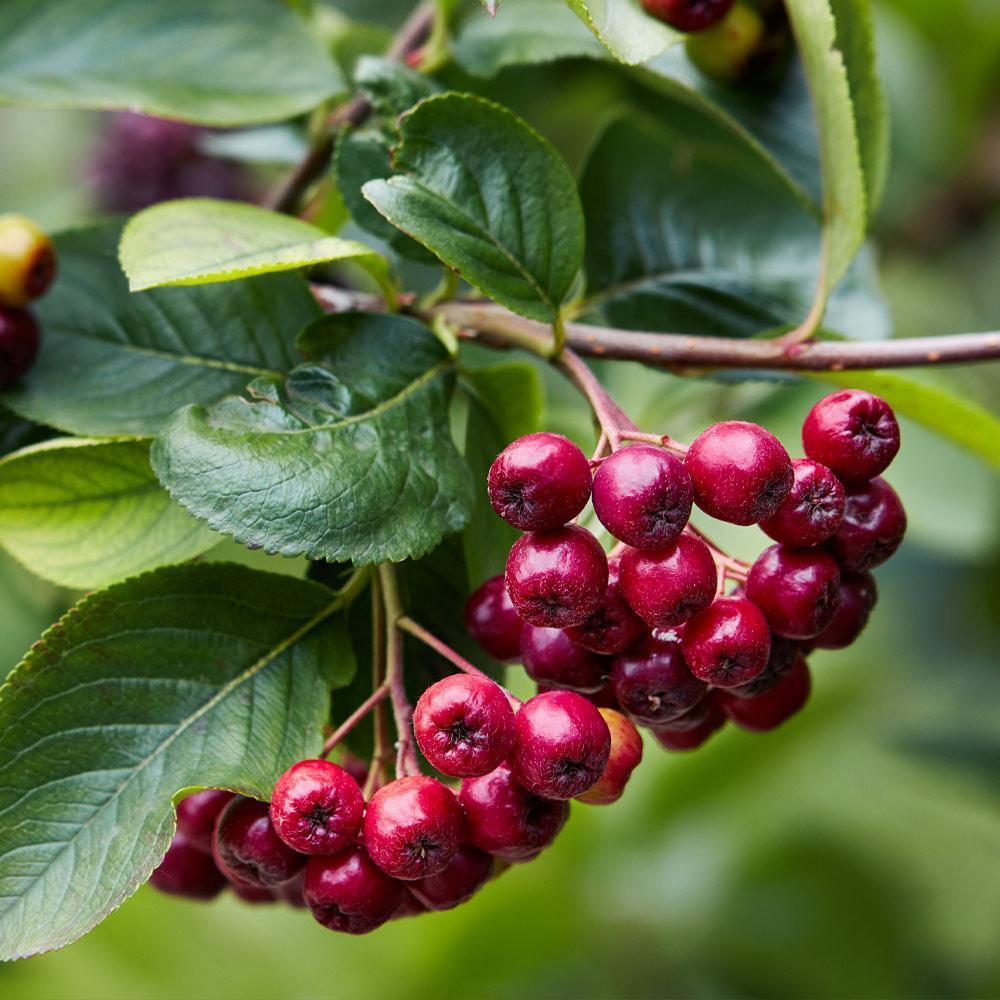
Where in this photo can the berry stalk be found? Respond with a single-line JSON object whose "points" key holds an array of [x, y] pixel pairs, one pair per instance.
{"points": [[354, 718]]}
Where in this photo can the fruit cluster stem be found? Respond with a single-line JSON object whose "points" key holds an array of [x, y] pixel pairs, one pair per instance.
{"points": [[381, 748], [354, 718]]}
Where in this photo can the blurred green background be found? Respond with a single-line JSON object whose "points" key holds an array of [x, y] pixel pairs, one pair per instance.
{"points": [[855, 852]]}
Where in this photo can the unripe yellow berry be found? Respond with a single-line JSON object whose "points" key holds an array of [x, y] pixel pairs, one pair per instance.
{"points": [[27, 261]]}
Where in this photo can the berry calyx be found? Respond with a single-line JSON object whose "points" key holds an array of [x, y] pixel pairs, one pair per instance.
{"points": [[688, 15], [347, 893], [728, 643], [643, 496], [557, 578], [551, 657], [652, 682], [853, 432], [468, 871], [694, 736], [248, 849], [624, 758], [873, 527], [769, 710], [27, 261], [413, 827], [19, 340], [741, 472], [561, 745], [187, 870], [858, 594], [539, 482], [316, 807], [730, 49], [493, 621], [613, 627], [464, 725], [813, 510], [197, 815]]}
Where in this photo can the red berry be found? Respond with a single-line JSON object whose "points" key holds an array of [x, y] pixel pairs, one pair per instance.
{"points": [[624, 758], [728, 643], [253, 894], [858, 595], [19, 339], [668, 586], [612, 628], [769, 710], [784, 653], [812, 511], [468, 871], [873, 527], [248, 849], [197, 814], [852, 432], [797, 589], [741, 472], [539, 482], [290, 892], [551, 657], [464, 725], [493, 622], [652, 682], [413, 827], [688, 15], [187, 870], [695, 736], [561, 745], [316, 807], [347, 893], [557, 578]]}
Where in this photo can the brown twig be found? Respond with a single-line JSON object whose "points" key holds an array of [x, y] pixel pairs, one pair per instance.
{"points": [[354, 718]]}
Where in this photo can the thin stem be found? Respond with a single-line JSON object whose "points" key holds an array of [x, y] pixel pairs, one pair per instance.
{"points": [[354, 718], [735, 568], [381, 748], [661, 440], [610, 416], [600, 449]]}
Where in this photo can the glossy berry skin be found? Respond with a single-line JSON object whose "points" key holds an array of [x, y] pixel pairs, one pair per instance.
{"points": [[493, 621], [316, 807], [612, 628], [186, 870], [27, 261], [853, 433], [741, 472], [561, 745], [413, 827], [813, 510], [728, 643], [666, 587], [686, 721], [858, 594], [873, 527], [643, 496], [247, 848], [550, 657], [652, 682], [539, 482], [626, 753], [557, 578], [464, 725], [784, 653], [688, 15], [19, 340], [347, 893], [797, 589], [197, 815], [469, 870], [692, 738], [505, 819], [769, 710]]}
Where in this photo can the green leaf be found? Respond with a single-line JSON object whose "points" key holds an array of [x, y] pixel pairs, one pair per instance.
{"points": [[629, 34], [210, 675], [197, 241], [16, 433], [221, 62], [490, 197], [349, 458], [116, 363], [86, 513], [391, 87]]}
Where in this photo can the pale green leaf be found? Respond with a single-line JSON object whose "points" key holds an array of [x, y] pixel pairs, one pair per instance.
{"points": [[625, 29]]}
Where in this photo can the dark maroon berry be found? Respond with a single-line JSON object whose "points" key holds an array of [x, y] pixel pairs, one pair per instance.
{"points": [[603, 698], [505, 819], [812, 511], [728, 643], [562, 745], [666, 587], [253, 894], [464, 725], [624, 758], [852, 432], [686, 721], [290, 892], [858, 595], [797, 589], [347, 893], [19, 339], [248, 849], [539, 482], [468, 871], [784, 653], [612, 628], [643, 496], [316, 807], [493, 621], [409, 905], [197, 814], [741, 472], [692, 738], [557, 578], [550, 657], [187, 870], [874, 525], [770, 709], [354, 766], [412, 827], [652, 682], [688, 15]]}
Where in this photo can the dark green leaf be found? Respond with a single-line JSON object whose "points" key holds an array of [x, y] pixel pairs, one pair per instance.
{"points": [[391, 87], [16, 433]]}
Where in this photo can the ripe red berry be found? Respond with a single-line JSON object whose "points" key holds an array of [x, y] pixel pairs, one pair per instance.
{"points": [[692, 738], [561, 745], [316, 807], [612, 628], [688, 15], [784, 653], [290, 892], [505, 819], [728, 643], [858, 595], [468, 871], [551, 657], [643, 496], [197, 814], [539, 482], [347, 893], [797, 589], [624, 758], [652, 682], [248, 849], [493, 621], [19, 339], [557, 578], [187, 870], [741, 472], [668, 586], [464, 725], [873, 527], [812, 511], [693, 718], [413, 827], [253, 894], [852, 432], [770, 709]]}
